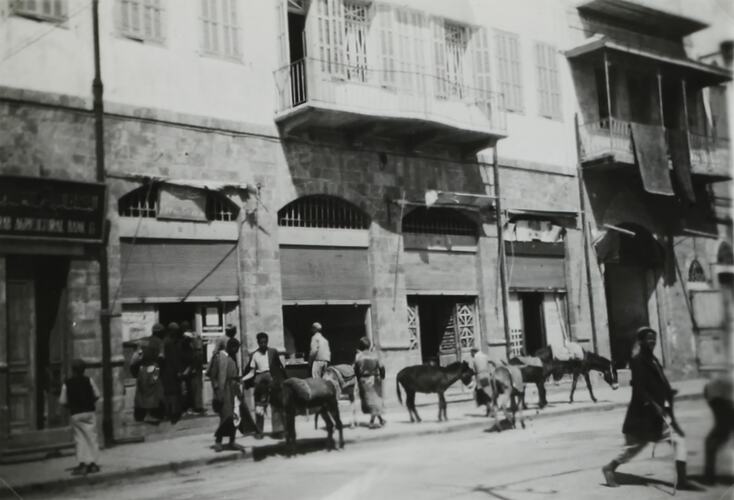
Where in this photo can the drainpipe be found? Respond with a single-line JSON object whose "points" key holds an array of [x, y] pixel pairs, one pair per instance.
{"points": [[584, 233], [501, 243], [105, 313]]}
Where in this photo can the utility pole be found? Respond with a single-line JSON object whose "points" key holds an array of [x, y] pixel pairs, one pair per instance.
{"points": [[105, 313], [501, 247]]}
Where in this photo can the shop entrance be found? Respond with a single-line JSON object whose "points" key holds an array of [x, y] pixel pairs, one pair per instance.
{"points": [[533, 322], [343, 326], [446, 327], [177, 312], [37, 341], [631, 272]]}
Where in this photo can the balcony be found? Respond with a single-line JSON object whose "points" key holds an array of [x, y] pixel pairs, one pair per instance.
{"points": [[408, 106], [608, 142]]}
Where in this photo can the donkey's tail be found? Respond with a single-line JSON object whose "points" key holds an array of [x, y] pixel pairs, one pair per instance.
{"points": [[397, 389]]}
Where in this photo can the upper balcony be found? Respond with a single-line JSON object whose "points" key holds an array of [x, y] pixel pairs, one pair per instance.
{"points": [[609, 143], [415, 107]]}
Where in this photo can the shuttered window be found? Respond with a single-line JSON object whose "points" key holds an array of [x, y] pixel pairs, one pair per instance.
{"points": [[220, 28], [482, 69], [141, 19], [411, 36], [330, 19], [549, 92], [47, 10], [356, 27], [509, 70], [387, 46]]}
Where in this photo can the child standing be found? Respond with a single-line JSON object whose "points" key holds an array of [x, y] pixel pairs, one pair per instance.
{"points": [[79, 395]]}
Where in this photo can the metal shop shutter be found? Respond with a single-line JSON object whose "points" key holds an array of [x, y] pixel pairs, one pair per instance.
{"points": [[536, 272], [324, 273], [175, 269], [440, 271]]}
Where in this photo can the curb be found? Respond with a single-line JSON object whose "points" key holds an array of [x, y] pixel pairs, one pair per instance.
{"points": [[247, 453]]}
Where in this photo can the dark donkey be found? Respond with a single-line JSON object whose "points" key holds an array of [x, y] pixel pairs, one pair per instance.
{"points": [[428, 379], [576, 367]]}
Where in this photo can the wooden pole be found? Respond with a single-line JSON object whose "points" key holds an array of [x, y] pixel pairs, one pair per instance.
{"points": [[402, 204], [660, 98], [584, 233], [609, 103], [501, 252]]}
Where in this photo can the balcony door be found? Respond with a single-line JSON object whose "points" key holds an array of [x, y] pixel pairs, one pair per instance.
{"points": [[642, 98]]}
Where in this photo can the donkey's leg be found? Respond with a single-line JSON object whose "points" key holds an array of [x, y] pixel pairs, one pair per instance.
{"points": [[410, 402], [329, 427], [290, 442], [588, 385], [338, 423], [543, 402], [441, 407], [573, 385]]}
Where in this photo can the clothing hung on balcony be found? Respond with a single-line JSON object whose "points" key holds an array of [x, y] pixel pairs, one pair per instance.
{"points": [[649, 144], [680, 155]]}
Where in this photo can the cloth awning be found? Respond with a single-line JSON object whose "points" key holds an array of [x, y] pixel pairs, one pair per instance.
{"points": [[192, 183], [691, 70]]}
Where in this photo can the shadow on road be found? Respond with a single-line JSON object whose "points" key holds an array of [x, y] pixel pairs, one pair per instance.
{"points": [[303, 446]]}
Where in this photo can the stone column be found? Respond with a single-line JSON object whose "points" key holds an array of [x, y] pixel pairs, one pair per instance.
{"points": [[490, 298]]}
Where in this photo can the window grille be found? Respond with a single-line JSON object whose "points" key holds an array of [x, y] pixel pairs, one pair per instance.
{"points": [[356, 26], [141, 19], [142, 202], [695, 272], [47, 10], [219, 208], [509, 69], [322, 211], [456, 43], [438, 220], [549, 93], [220, 27]]}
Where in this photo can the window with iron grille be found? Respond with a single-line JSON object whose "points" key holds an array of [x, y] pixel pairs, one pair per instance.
{"points": [[324, 212], [141, 19], [438, 220], [142, 202], [220, 28], [46, 10], [450, 44], [356, 27], [509, 70], [695, 272]]}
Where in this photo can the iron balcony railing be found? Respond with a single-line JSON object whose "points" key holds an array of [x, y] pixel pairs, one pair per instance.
{"points": [[395, 93], [612, 137]]}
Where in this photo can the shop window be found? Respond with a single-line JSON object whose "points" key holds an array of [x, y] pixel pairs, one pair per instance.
{"points": [[324, 212], [695, 273], [438, 220], [218, 207]]}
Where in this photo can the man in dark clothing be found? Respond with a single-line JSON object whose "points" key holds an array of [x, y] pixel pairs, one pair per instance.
{"points": [[193, 359], [79, 394], [650, 412], [266, 372], [146, 366], [173, 372]]}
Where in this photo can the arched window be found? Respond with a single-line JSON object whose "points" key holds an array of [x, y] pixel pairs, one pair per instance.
{"points": [[695, 272], [143, 202], [322, 211], [438, 220], [725, 255]]}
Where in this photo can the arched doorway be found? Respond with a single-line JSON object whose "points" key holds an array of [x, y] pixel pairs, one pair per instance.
{"points": [[633, 262]]}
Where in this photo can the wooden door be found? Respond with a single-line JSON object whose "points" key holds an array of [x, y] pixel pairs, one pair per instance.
{"points": [[21, 355], [514, 318], [466, 328]]}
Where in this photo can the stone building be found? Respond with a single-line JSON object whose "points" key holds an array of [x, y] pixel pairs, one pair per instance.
{"points": [[277, 164]]}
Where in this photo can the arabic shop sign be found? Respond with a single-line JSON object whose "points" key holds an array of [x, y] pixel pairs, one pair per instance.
{"points": [[52, 209]]}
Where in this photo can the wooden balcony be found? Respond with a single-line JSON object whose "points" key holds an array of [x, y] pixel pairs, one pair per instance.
{"points": [[360, 101], [608, 143]]}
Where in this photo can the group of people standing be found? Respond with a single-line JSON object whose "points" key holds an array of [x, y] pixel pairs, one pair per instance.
{"points": [[168, 367]]}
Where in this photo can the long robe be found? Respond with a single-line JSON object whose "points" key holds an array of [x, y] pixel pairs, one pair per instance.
{"points": [[370, 372]]}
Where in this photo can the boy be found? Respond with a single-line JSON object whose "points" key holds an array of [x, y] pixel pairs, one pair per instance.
{"points": [[79, 395]]}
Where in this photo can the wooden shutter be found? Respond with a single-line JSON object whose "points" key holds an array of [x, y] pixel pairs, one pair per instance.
{"points": [[388, 63], [141, 19], [56, 10], [210, 25], [482, 71], [515, 321], [281, 23], [324, 273], [230, 28], [549, 97], [439, 53], [175, 269], [330, 15], [508, 59]]}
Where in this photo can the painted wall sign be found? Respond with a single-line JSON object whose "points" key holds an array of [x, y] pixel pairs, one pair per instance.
{"points": [[181, 203], [51, 208]]}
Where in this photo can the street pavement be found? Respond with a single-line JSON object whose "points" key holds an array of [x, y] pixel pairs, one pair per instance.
{"points": [[555, 457]]}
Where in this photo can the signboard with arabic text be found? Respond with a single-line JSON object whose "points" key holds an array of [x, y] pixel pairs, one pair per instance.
{"points": [[53, 209], [182, 203]]}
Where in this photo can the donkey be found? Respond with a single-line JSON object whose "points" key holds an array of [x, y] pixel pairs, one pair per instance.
{"points": [[347, 384], [508, 390], [428, 379], [298, 396], [576, 367]]}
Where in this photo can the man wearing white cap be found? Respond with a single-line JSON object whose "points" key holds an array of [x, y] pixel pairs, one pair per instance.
{"points": [[320, 355]]}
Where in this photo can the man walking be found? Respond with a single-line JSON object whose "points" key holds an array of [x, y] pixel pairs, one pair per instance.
{"points": [[320, 354], [650, 412], [79, 394], [267, 371], [483, 391]]}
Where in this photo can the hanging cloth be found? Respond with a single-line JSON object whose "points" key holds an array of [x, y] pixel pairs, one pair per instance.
{"points": [[652, 159]]}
